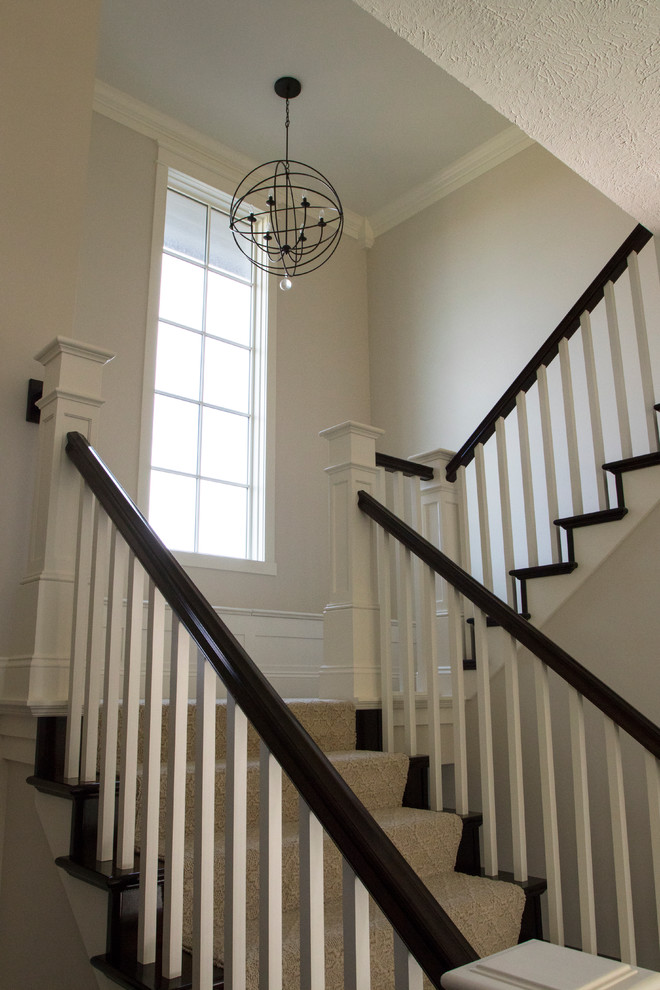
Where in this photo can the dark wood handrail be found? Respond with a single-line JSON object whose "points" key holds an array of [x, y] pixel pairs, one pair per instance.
{"points": [[426, 929], [409, 468], [586, 303], [592, 688]]}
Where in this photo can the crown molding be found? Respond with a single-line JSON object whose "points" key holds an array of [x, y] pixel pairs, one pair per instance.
{"points": [[186, 143], [230, 166], [506, 144]]}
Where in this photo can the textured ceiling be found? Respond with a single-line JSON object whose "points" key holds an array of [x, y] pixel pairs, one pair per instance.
{"points": [[581, 77], [375, 115]]}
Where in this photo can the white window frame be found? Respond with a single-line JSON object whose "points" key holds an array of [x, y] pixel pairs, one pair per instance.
{"points": [[194, 182]]}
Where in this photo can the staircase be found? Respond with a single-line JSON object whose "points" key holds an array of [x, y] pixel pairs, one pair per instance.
{"points": [[268, 858], [489, 912]]}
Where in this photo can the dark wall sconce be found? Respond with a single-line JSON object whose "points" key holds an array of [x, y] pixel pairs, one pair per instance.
{"points": [[35, 391]]}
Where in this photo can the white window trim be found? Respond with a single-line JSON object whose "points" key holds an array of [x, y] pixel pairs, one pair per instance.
{"points": [[191, 178]]}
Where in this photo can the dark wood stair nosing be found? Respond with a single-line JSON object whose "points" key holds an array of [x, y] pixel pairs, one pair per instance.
{"points": [[543, 570], [592, 518], [633, 463], [139, 977]]}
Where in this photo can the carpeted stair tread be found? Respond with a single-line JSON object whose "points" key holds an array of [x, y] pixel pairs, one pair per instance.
{"points": [[487, 911], [378, 779], [331, 724], [428, 840]]}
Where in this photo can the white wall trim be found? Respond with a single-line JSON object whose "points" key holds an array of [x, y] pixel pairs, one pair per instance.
{"points": [[486, 156], [193, 146]]}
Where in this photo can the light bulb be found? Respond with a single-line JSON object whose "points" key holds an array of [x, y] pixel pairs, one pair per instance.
{"points": [[286, 284]]}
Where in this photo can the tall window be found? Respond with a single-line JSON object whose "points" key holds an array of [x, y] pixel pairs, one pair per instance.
{"points": [[207, 470]]}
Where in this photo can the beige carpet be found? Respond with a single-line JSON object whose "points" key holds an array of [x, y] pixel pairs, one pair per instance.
{"points": [[487, 912]]}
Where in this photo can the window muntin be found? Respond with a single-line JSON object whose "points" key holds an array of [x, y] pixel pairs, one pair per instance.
{"points": [[207, 475]]}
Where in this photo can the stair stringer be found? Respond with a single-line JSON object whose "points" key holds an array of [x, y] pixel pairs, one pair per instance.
{"points": [[594, 545], [89, 904]]}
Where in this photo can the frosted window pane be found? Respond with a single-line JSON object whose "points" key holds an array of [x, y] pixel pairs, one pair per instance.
{"points": [[185, 226], [226, 375], [172, 509], [181, 292], [178, 361], [228, 305], [222, 520], [224, 446], [174, 443], [223, 252]]}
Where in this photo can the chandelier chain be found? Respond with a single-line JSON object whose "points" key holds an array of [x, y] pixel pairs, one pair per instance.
{"points": [[286, 126]]}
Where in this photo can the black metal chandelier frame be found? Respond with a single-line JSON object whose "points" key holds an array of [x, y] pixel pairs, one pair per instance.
{"points": [[302, 222]]}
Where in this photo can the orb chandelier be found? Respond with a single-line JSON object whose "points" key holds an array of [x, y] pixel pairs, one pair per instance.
{"points": [[285, 216]]}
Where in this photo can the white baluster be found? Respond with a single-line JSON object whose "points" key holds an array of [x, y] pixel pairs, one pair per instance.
{"points": [[430, 645], [594, 408], [463, 520], [95, 644], [153, 717], [355, 903], [549, 459], [270, 871], [455, 620], [549, 804], [407, 972], [204, 826], [384, 543], [177, 731], [108, 776], [484, 523], [528, 486], [620, 844], [571, 428], [130, 715], [405, 622], [582, 823], [517, 794], [414, 519], [77, 671], [505, 508], [464, 537], [312, 941], [648, 391], [617, 369], [236, 848], [489, 828], [653, 788]]}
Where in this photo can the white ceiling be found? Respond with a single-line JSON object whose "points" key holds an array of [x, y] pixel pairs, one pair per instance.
{"points": [[375, 115]]}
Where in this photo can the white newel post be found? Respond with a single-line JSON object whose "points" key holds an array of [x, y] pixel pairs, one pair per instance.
{"points": [[37, 675], [440, 525], [440, 510], [351, 665]]}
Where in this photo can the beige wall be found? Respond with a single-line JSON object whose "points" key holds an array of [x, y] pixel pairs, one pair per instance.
{"points": [[462, 295], [40, 942], [45, 118]]}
